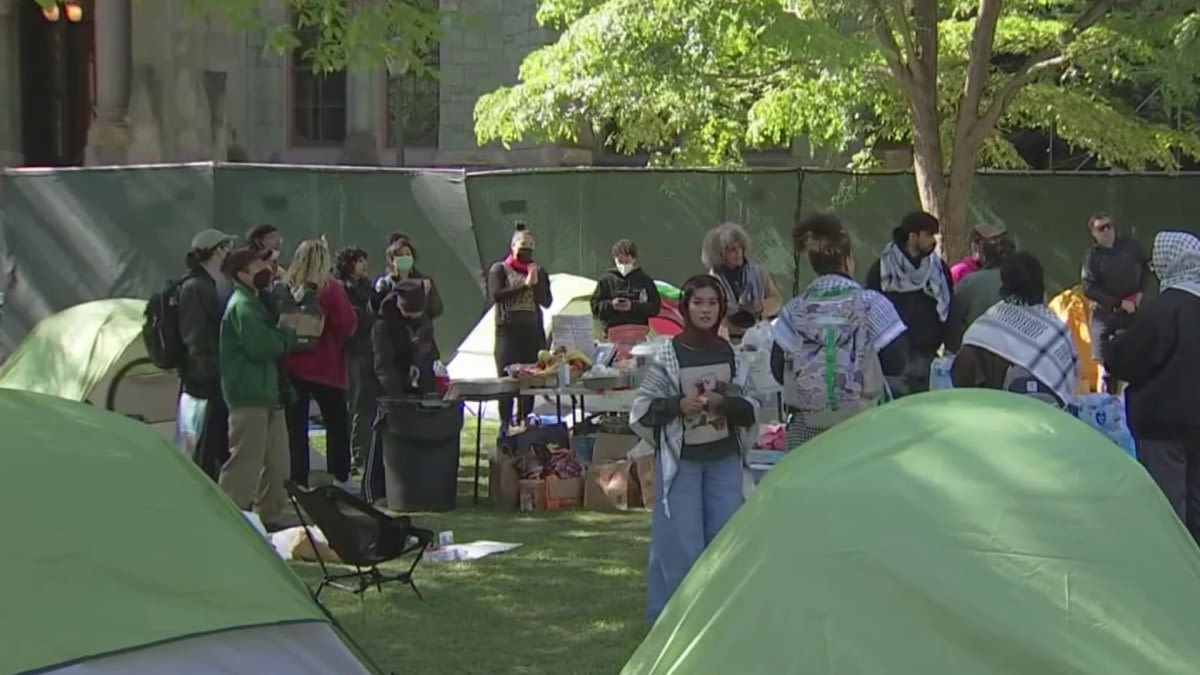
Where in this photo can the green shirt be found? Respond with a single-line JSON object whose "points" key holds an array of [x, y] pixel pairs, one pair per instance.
{"points": [[251, 348], [973, 296]]}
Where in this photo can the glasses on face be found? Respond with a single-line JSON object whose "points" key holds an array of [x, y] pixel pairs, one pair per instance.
{"points": [[1103, 227]]}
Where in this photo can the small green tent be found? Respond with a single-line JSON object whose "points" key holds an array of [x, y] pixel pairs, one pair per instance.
{"points": [[93, 352], [120, 557], [965, 532]]}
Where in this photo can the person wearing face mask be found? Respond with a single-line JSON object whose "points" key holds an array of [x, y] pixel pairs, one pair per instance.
{"points": [[916, 280], [625, 295], [521, 290], [401, 257], [202, 297], [251, 347], [698, 408]]}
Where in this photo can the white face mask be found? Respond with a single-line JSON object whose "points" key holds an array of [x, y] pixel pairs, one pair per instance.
{"points": [[624, 268]]}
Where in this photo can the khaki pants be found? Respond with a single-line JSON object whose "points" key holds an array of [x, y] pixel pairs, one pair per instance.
{"points": [[258, 461]]}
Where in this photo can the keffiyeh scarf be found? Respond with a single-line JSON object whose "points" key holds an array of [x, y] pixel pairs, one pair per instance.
{"points": [[662, 381], [1176, 261], [898, 275], [1032, 337], [750, 291]]}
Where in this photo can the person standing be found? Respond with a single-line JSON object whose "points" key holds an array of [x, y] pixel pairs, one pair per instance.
{"points": [[318, 370], [351, 272], [1019, 345], [401, 257], [978, 291], [751, 292], [625, 294], [251, 346], [697, 407], [914, 278], [266, 237], [1113, 276], [1157, 352], [202, 297], [520, 290], [973, 261]]}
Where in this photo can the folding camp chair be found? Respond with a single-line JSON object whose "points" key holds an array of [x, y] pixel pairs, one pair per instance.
{"points": [[361, 535]]}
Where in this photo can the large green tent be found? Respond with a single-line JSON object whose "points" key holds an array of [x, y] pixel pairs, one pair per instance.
{"points": [[121, 557], [93, 352], [965, 532]]}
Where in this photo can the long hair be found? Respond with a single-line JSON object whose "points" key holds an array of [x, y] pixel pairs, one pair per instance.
{"points": [[346, 259], [311, 264], [721, 237]]}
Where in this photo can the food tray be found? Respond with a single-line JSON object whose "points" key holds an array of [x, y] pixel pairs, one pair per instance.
{"points": [[603, 383], [490, 386]]}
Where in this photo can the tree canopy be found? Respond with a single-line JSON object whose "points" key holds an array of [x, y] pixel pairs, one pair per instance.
{"points": [[700, 81]]}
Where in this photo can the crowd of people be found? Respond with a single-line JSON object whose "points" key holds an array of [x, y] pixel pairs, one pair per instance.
{"points": [[262, 343], [842, 346]]}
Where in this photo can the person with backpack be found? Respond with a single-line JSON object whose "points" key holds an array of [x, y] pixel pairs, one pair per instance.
{"points": [[916, 280], [698, 408], [251, 347], [202, 297], [836, 342], [1019, 345], [1157, 351]]}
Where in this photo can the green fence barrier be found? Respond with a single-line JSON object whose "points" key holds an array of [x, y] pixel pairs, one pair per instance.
{"points": [[82, 234]]}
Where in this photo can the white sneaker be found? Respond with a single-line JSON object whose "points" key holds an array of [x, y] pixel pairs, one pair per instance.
{"points": [[352, 486]]}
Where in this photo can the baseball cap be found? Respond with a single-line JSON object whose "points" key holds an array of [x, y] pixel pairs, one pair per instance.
{"points": [[990, 230], [206, 239]]}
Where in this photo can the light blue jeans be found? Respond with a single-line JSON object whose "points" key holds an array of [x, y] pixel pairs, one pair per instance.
{"points": [[703, 497]]}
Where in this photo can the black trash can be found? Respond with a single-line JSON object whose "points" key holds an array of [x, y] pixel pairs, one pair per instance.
{"points": [[420, 443]]}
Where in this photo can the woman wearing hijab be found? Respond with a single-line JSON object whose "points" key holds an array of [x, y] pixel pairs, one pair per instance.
{"points": [[797, 329], [749, 290], [698, 408], [521, 290], [317, 368]]}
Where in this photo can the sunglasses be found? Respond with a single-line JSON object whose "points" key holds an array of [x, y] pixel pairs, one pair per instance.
{"points": [[1103, 227]]}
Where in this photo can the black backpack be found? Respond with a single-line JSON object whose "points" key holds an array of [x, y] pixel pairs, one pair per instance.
{"points": [[160, 331]]}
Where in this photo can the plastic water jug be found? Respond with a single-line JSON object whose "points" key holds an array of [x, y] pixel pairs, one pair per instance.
{"points": [[939, 373]]}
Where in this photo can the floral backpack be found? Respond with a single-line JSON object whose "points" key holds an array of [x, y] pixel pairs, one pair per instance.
{"points": [[834, 373]]}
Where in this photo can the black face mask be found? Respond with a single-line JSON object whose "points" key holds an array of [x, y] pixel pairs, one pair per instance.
{"points": [[525, 255], [262, 279]]}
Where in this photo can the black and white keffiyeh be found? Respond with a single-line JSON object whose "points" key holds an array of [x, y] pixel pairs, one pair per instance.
{"points": [[1176, 261], [897, 274], [1032, 337]]}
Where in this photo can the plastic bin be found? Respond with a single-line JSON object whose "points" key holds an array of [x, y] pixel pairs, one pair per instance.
{"points": [[420, 453]]}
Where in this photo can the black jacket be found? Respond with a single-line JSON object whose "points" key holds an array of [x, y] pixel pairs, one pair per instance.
{"points": [[385, 284], [360, 293], [926, 331], [400, 345], [504, 295], [637, 287], [1157, 351], [1111, 274], [200, 312]]}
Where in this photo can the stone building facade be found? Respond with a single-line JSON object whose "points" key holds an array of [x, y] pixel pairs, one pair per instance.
{"points": [[145, 82]]}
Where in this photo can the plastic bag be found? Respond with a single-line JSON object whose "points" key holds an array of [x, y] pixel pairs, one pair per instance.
{"points": [[1105, 413], [939, 373], [758, 338]]}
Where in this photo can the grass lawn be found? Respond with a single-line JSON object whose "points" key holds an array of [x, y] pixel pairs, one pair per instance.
{"points": [[570, 600]]}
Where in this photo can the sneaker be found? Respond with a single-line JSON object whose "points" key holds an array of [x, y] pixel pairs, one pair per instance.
{"points": [[349, 485]]}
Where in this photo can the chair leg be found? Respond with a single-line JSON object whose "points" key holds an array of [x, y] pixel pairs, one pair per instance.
{"points": [[320, 587], [413, 586]]}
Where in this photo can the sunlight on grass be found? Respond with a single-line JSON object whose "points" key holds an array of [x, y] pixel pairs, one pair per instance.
{"points": [[570, 600]]}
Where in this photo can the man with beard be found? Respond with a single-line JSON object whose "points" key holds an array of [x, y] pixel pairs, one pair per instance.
{"points": [[1114, 270], [916, 280]]}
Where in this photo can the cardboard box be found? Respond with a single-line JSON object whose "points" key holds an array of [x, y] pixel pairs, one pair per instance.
{"points": [[504, 484], [607, 486], [533, 495], [643, 470], [563, 493], [612, 447]]}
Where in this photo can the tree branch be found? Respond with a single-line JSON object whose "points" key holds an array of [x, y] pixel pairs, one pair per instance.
{"points": [[891, 49], [1038, 61]]}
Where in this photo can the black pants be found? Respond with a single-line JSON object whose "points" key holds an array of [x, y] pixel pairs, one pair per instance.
{"points": [[1175, 466], [212, 447], [332, 403], [364, 397], [517, 343]]}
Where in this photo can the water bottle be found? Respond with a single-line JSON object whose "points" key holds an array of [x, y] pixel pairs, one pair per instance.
{"points": [[564, 374]]}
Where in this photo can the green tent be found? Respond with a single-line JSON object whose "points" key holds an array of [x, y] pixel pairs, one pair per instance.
{"points": [[122, 557], [93, 352], [965, 532]]}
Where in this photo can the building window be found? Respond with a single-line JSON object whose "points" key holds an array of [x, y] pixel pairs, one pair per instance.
{"points": [[413, 100], [318, 100]]}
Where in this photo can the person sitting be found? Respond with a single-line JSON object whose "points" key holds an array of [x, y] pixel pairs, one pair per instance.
{"points": [[796, 332], [1019, 345], [402, 340], [625, 295], [979, 291], [750, 292]]}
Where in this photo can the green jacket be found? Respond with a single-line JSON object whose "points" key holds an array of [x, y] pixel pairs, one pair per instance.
{"points": [[973, 296], [251, 348]]}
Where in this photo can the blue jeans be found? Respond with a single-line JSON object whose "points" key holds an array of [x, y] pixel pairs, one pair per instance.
{"points": [[703, 497]]}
